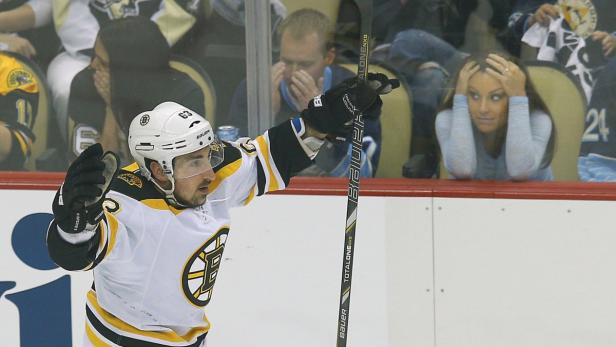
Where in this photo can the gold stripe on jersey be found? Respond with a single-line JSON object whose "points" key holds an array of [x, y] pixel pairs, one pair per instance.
{"points": [[251, 195], [161, 204], [102, 243], [112, 223], [265, 154], [108, 235], [134, 167], [24, 143], [94, 339], [120, 327], [224, 172]]}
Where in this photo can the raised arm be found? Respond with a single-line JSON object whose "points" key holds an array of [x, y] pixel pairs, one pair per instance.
{"points": [[527, 136], [77, 237], [454, 130], [33, 14], [268, 162]]}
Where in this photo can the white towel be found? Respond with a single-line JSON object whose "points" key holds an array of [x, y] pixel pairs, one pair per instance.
{"points": [[559, 44]]}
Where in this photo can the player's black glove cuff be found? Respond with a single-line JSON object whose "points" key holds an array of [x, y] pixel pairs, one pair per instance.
{"points": [[78, 204], [332, 113]]}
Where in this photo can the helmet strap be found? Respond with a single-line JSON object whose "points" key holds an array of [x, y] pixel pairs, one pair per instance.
{"points": [[169, 196]]}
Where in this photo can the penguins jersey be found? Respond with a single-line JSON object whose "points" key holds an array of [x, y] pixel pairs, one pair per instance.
{"points": [[77, 21], [155, 265], [19, 92]]}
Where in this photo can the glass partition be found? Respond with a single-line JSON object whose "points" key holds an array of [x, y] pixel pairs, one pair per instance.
{"points": [[78, 72], [535, 100], [490, 89]]}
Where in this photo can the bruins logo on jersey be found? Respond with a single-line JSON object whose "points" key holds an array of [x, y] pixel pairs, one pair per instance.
{"points": [[202, 268], [131, 179], [19, 77]]}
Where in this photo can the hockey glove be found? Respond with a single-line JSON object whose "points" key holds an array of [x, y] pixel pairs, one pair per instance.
{"points": [[78, 204], [332, 113]]}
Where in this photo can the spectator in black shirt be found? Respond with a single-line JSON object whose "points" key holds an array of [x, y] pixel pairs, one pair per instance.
{"points": [[129, 73]]}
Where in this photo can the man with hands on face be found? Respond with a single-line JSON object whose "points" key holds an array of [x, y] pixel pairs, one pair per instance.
{"points": [[493, 125], [305, 70]]}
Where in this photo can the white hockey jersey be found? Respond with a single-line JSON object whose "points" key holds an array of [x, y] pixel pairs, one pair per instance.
{"points": [[155, 265], [77, 21]]}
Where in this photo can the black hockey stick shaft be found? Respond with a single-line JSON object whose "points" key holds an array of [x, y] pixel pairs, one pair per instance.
{"points": [[365, 11]]}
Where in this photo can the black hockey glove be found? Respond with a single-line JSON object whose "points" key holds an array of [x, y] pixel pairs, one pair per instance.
{"points": [[78, 204], [332, 112]]}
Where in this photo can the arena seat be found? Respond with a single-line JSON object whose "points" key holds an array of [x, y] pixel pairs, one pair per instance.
{"points": [[198, 74], [396, 124], [566, 102]]}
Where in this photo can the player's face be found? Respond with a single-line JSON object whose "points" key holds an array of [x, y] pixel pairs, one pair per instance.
{"points": [[487, 102], [100, 61], [305, 54], [193, 174]]}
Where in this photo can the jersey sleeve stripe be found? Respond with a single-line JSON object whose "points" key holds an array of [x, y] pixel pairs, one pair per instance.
{"points": [[160, 204], [273, 180], [262, 153], [102, 245], [24, 143], [134, 167], [112, 224], [225, 172], [251, 195], [108, 325], [261, 179]]}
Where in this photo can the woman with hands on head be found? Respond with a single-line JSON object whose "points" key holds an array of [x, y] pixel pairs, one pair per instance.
{"points": [[493, 125]]}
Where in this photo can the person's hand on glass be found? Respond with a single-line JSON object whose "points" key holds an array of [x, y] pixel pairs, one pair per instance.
{"points": [[508, 73], [608, 42], [277, 75], [468, 70], [543, 15], [18, 45]]}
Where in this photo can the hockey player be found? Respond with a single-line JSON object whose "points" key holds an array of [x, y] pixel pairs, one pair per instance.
{"points": [[154, 232]]}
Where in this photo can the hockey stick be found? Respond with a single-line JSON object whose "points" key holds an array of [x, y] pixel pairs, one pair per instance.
{"points": [[365, 11]]}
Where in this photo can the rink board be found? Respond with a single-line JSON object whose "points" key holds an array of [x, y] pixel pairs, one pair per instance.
{"points": [[430, 270]]}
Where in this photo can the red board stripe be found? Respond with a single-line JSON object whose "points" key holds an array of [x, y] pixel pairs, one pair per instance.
{"points": [[386, 187]]}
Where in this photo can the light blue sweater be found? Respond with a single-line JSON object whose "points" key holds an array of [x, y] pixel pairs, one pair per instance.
{"points": [[464, 154]]}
